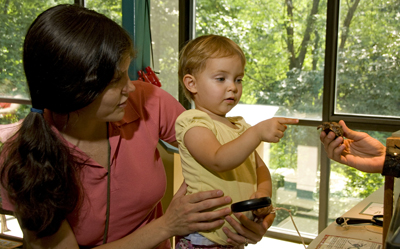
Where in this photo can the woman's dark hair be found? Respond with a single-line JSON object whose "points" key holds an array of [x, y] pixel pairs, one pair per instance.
{"points": [[70, 56]]}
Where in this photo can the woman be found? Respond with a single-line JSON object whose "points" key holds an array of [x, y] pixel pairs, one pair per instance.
{"points": [[83, 169]]}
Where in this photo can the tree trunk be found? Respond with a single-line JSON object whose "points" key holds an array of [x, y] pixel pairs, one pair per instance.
{"points": [[347, 22], [297, 62], [315, 51], [6, 4], [289, 32], [307, 34]]}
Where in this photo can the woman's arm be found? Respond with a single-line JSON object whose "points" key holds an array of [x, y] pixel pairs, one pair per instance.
{"points": [[185, 214]]}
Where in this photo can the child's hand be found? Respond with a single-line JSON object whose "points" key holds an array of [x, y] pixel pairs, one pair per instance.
{"points": [[261, 212], [271, 130]]}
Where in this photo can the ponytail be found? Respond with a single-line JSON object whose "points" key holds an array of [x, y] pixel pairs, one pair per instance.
{"points": [[40, 175]]}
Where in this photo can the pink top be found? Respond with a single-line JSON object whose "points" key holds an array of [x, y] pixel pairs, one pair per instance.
{"points": [[138, 179]]}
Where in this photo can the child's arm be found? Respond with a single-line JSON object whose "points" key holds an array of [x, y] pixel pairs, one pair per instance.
{"points": [[264, 186], [264, 182], [207, 150]]}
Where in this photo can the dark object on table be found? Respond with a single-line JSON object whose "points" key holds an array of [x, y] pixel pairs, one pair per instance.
{"points": [[252, 204], [376, 220], [331, 126]]}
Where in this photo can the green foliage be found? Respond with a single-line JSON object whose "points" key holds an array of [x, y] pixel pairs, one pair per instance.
{"points": [[369, 61], [358, 183], [300, 94], [165, 30], [21, 112], [110, 8], [15, 18]]}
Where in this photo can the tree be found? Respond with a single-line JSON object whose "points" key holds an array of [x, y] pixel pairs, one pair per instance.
{"points": [[368, 65]]}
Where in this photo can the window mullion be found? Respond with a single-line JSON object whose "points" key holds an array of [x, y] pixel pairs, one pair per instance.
{"points": [[328, 105]]}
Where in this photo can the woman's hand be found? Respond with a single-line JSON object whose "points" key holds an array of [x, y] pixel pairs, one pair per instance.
{"points": [[247, 231], [187, 213], [359, 150]]}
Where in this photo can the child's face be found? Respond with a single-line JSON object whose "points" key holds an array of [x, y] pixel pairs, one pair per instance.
{"points": [[219, 86]]}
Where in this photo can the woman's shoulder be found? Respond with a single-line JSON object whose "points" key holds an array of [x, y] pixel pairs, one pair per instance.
{"points": [[8, 130], [146, 88], [147, 94]]}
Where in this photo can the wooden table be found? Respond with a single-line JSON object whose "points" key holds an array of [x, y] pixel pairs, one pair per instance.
{"points": [[357, 231]]}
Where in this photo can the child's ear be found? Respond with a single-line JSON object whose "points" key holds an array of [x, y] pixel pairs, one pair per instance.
{"points": [[190, 83]]}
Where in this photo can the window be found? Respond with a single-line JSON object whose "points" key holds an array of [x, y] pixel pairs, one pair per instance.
{"points": [[164, 35], [164, 32], [317, 61], [110, 8], [368, 59], [15, 18]]}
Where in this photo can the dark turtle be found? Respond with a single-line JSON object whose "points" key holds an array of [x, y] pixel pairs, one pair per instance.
{"points": [[331, 126]]}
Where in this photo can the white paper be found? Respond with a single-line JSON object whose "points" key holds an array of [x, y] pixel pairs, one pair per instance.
{"points": [[373, 209], [336, 242]]}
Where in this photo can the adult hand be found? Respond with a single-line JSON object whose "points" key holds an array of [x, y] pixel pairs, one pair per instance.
{"points": [[247, 231], [187, 213], [359, 150]]}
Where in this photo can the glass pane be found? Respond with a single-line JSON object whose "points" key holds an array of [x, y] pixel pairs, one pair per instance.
{"points": [[368, 60], [284, 47], [349, 186], [110, 8], [12, 112], [164, 17], [294, 166], [15, 18], [164, 32]]}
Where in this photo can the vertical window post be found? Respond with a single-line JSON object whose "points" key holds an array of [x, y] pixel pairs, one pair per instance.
{"points": [[327, 107], [135, 20], [80, 2], [186, 33]]}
